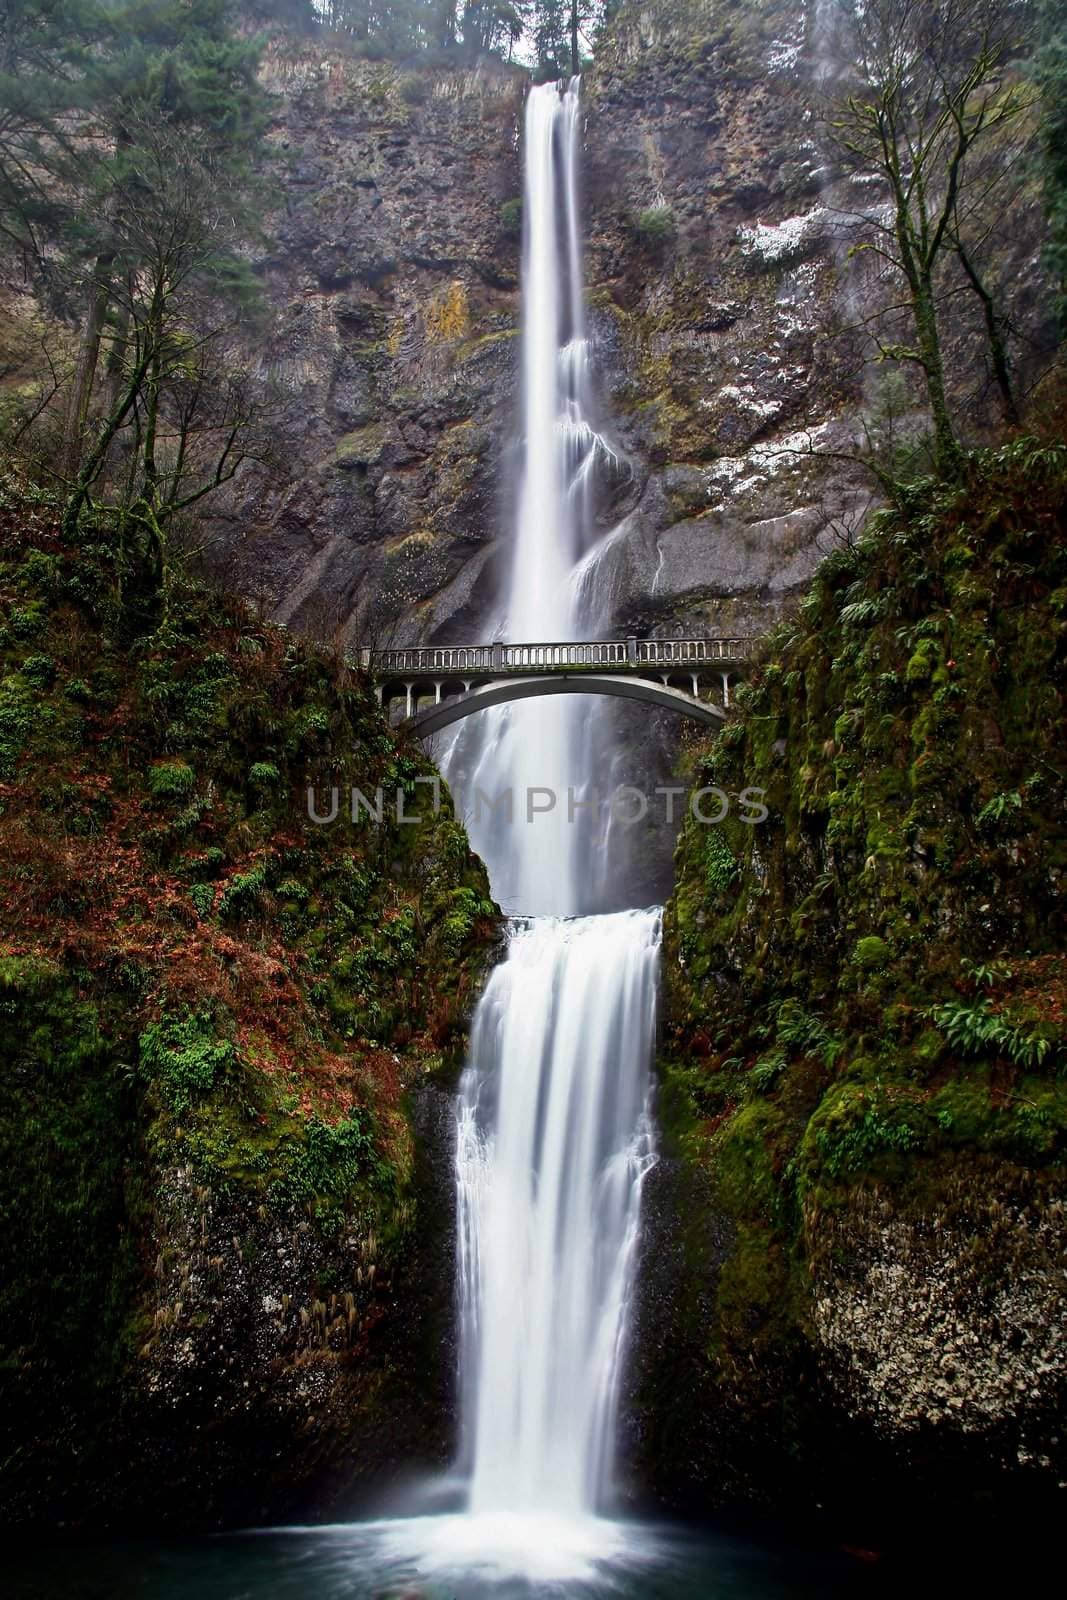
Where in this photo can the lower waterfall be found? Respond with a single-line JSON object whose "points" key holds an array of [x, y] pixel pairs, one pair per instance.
{"points": [[553, 1141]]}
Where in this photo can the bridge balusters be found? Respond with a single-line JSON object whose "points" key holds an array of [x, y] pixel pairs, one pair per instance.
{"points": [[661, 656]]}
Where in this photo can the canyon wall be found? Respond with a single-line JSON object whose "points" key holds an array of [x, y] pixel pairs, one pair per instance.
{"points": [[723, 310], [390, 355], [853, 1265]]}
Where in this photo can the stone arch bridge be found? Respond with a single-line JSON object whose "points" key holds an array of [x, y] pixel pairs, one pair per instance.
{"points": [[428, 687]]}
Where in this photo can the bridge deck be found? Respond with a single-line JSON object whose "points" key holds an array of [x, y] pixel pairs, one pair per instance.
{"points": [[620, 655]]}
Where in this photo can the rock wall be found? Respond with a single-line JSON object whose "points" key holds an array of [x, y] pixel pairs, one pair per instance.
{"points": [[228, 1033], [727, 302], [853, 1276], [390, 356], [721, 294], [949, 1315]]}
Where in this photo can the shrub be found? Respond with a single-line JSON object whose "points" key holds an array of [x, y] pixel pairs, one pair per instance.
{"points": [[654, 224], [40, 671], [16, 719], [414, 90], [329, 1162], [242, 890], [720, 867], [203, 898], [170, 780], [511, 216], [184, 1058]]}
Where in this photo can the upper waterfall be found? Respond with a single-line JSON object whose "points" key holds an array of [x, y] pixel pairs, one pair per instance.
{"points": [[541, 844], [560, 443]]}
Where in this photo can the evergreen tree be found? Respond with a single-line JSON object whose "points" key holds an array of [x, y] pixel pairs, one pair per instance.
{"points": [[177, 61], [46, 55], [493, 25], [550, 35]]}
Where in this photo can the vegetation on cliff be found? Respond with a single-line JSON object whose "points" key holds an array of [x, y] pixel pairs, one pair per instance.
{"points": [[211, 1007], [867, 992]]}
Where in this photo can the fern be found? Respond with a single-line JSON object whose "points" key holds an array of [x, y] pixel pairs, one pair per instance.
{"points": [[985, 974], [976, 1029], [861, 612], [1001, 806]]}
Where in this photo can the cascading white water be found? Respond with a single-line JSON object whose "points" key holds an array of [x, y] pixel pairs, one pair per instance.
{"points": [[553, 1144], [553, 1137]]}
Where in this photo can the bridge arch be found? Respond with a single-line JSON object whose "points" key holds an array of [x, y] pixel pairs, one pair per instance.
{"points": [[500, 692]]}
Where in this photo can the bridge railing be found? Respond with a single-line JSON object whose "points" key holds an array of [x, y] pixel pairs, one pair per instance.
{"points": [[690, 652], [596, 653], [474, 660], [448, 660]]}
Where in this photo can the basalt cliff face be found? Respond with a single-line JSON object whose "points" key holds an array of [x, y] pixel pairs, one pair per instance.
{"points": [[721, 293], [390, 357]]}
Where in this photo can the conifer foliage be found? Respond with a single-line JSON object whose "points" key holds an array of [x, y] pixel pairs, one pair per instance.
{"points": [[131, 138]]}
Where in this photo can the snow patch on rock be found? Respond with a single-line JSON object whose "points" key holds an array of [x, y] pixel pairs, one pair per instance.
{"points": [[775, 241]]}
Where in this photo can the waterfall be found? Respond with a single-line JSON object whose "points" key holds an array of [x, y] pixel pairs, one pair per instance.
{"points": [[553, 1144], [542, 861], [553, 1136]]}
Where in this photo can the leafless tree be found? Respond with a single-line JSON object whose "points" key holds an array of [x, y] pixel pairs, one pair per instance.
{"points": [[180, 420], [933, 91]]}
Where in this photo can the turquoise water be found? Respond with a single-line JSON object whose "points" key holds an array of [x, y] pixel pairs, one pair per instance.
{"points": [[368, 1562]]}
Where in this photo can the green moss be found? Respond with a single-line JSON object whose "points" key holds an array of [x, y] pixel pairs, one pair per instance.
{"points": [[206, 982], [870, 954], [742, 1156], [753, 1294], [889, 989], [361, 445]]}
